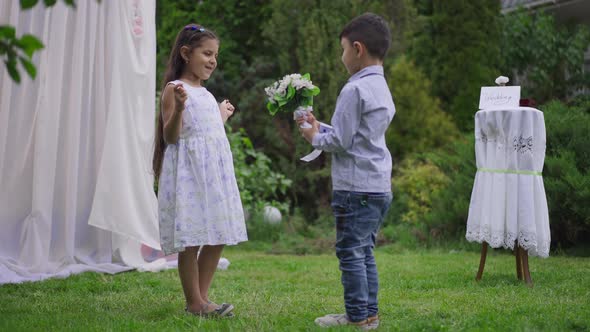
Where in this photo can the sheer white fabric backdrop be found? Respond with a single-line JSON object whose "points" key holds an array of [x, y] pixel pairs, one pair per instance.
{"points": [[75, 143]]}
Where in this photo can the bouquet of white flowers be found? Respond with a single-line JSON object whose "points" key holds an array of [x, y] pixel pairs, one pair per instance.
{"points": [[293, 93]]}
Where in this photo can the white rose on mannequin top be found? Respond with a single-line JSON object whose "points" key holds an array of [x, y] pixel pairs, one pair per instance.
{"points": [[502, 80]]}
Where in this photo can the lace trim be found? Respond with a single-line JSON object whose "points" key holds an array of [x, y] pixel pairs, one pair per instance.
{"points": [[506, 240]]}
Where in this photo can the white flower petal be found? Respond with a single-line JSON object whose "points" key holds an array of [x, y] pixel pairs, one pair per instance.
{"points": [[502, 80]]}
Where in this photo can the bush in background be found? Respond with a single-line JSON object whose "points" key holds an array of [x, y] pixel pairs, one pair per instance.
{"points": [[294, 235], [415, 183], [567, 172], [259, 184], [432, 193], [419, 124]]}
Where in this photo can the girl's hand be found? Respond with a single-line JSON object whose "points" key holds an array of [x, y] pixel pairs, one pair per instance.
{"points": [[226, 109], [180, 97]]}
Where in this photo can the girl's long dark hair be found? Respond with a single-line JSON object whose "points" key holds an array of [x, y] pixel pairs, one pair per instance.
{"points": [[191, 36]]}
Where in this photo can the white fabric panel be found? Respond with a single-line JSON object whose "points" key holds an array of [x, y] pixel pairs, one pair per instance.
{"points": [[124, 191], [75, 143]]}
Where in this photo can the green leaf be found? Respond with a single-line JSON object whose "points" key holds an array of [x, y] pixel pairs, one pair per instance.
{"points": [[310, 92], [49, 3], [290, 92], [72, 3], [248, 143], [272, 108], [306, 76], [7, 31], [30, 44], [12, 71], [27, 4], [29, 67], [282, 103]]}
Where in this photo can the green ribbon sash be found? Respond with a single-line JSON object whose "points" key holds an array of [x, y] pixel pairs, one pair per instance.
{"points": [[509, 171]]}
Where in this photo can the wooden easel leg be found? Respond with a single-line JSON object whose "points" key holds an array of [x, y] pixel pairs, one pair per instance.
{"points": [[518, 255], [525, 266], [482, 260]]}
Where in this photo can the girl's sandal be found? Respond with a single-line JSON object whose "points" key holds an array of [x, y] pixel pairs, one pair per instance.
{"points": [[231, 311], [224, 310]]}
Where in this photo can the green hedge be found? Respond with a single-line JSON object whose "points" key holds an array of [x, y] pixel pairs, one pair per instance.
{"points": [[567, 172]]}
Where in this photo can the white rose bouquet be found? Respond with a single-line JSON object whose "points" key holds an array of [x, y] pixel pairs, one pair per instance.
{"points": [[293, 93]]}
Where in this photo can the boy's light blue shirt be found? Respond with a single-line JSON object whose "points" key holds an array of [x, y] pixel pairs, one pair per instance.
{"points": [[360, 158]]}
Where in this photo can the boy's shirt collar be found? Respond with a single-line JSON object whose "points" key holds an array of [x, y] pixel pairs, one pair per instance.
{"points": [[369, 70]]}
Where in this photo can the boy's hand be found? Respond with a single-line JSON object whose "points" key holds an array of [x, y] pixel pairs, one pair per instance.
{"points": [[180, 97], [308, 133], [226, 109]]}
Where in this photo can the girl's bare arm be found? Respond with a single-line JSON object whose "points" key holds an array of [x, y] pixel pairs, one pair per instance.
{"points": [[173, 100]]}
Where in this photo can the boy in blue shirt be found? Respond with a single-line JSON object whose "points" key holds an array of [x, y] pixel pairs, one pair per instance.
{"points": [[361, 165]]}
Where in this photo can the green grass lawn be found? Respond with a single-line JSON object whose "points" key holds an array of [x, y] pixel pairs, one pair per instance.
{"points": [[420, 290]]}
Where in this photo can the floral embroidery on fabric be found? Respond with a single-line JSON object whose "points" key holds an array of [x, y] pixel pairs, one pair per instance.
{"points": [[482, 137], [523, 144], [137, 20]]}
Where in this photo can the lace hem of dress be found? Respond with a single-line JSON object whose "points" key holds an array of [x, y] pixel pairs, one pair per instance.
{"points": [[506, 240]]}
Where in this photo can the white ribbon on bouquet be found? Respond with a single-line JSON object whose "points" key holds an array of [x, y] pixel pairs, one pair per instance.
{"points": [[301, 112]]}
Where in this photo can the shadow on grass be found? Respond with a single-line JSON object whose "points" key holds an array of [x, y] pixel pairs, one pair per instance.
{"points": [[495, 279]]}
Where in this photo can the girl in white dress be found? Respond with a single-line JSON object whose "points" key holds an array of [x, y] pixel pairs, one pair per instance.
{"points": [[198, 197]]}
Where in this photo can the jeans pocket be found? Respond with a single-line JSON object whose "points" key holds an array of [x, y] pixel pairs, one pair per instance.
{"points": [[369, 212], [343, 213], [365, 227]]}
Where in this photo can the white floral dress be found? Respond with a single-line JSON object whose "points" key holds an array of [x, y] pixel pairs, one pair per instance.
{"points": [[198, 198]]}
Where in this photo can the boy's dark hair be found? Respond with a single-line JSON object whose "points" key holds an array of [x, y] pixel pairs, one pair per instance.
{"points": [[371, 30]]}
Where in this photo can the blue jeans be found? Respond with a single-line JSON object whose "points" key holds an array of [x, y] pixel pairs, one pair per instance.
{"points": [[358, 218]]}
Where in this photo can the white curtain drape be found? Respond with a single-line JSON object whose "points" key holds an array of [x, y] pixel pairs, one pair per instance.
{"points": [[76, 142]]}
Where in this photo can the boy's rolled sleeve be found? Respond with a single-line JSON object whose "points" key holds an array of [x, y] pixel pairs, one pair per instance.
{"points": [[345, 122]]}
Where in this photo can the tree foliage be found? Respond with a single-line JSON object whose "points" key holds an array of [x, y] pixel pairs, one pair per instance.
{"points": [[456, 45], [547, 60], [419, 125]]}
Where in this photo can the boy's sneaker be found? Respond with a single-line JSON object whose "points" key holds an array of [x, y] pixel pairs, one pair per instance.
{"points": [[340, 320], [373, 322]]}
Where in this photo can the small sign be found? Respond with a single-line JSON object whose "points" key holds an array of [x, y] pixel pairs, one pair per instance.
{"points": [[499, 96]]}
